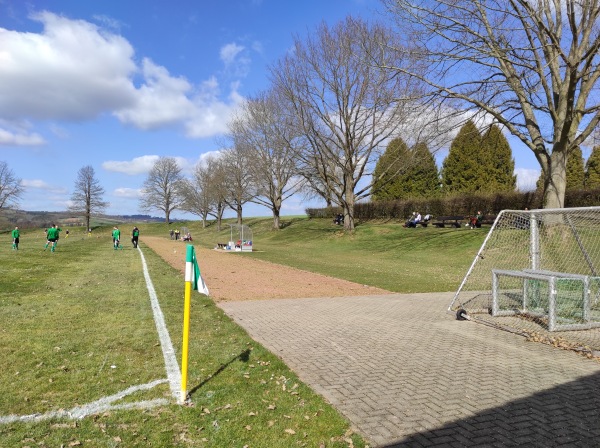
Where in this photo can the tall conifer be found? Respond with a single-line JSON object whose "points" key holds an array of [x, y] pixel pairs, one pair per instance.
{"points": [[592, 169], [575, 170], [499, 166], [462, 169], [423, 178], [389, 171]]}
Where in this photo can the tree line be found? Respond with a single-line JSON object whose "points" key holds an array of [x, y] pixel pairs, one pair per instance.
{"points": [[346, 91], [476, 163]]}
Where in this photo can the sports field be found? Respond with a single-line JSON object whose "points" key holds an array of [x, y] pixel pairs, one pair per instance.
{"points": [[85, 362]]}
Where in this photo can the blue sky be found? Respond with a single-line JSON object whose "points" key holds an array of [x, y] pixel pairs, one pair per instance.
{"points": [[115, 84]]}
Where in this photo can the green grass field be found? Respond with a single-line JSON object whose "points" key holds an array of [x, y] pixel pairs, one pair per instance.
{"points": [[77, 326]]}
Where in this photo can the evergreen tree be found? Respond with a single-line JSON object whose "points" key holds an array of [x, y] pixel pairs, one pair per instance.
{"points": [[389, 172], [592, 169], [403, 173], [499, 164], [575, 170], [539, 185], [423, 177], [462, 169]]}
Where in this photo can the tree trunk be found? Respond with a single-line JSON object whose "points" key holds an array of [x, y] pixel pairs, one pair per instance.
{"points": [[555, 182], [276, 222], [167, 220], [239, 214], [348, 205]]}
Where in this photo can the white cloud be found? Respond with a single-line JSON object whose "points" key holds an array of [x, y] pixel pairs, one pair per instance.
{"points": [[527, 178], [164, 100], [142, 165], [128, 193], [75, 70], [108, 22], [39, 184], [8, 138], [161, 101], [19, 133], [72, 71], [236, 60], [212, 115], [139, 165], [229, 53]]}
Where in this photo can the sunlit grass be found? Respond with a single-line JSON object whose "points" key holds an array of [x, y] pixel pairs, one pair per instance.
{"points": [[77, 326]]}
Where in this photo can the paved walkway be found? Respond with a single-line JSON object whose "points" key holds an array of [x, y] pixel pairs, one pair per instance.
{"points": [[405, 373]]}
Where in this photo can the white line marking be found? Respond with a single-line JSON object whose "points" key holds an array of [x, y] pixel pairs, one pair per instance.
{"points": [[105, 403], [96, 407], [173, 372]]}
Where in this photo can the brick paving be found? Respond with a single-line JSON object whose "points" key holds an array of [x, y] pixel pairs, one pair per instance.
{"points": [[407, 374]]}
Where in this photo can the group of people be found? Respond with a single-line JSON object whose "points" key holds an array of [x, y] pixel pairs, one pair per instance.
{"points": [[475, 221], [175, 234], [53, 233], [116, 235], [417, 219]]}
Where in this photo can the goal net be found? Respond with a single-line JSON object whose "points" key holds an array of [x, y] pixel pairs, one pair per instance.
{"points": [[538, 273]]}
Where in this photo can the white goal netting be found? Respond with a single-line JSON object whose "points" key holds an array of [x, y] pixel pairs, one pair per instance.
{"points": [[538, 273]]}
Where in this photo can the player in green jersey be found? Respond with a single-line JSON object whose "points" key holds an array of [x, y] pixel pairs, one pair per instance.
{"points": [[15, 236], [116, 234], [52, 236]]}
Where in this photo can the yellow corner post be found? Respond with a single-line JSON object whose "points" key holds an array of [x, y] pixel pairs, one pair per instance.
{"points": [[189, 276]]}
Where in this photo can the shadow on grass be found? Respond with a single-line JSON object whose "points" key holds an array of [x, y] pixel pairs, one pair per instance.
{"points": [[243, 356]]}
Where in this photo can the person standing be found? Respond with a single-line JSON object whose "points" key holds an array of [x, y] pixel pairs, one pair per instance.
{"points": [[58, 230], [52, 237], [116, 234], [176, 234], [15, 236], [135, 234]]}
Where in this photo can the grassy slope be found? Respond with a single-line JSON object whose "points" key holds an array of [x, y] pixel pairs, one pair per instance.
{"points": [[386, 255]]}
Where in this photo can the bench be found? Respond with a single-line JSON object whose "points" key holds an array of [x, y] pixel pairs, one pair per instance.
{"points": [[558, 306], [453, 221]]}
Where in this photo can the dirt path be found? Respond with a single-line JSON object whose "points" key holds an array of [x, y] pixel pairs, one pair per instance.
{"points": [[233, 277]]}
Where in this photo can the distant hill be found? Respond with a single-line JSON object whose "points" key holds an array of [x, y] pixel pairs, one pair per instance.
{"points": [[42, 219]]}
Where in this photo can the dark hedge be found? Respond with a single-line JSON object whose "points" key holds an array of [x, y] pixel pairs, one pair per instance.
{"points": [[457, 205]]}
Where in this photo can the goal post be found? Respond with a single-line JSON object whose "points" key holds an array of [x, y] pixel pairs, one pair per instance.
{"points": [[538, 271]]}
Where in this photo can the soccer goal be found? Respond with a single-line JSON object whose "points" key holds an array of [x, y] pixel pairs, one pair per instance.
{"points": [[538, 271]]}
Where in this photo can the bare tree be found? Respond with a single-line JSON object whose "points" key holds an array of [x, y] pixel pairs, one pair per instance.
{"points": [[87, 195], [236, 181], [218, 188], [203, 193], [272, 144], [346, 106], [161, 189], [11, 189], [531, 64]]}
